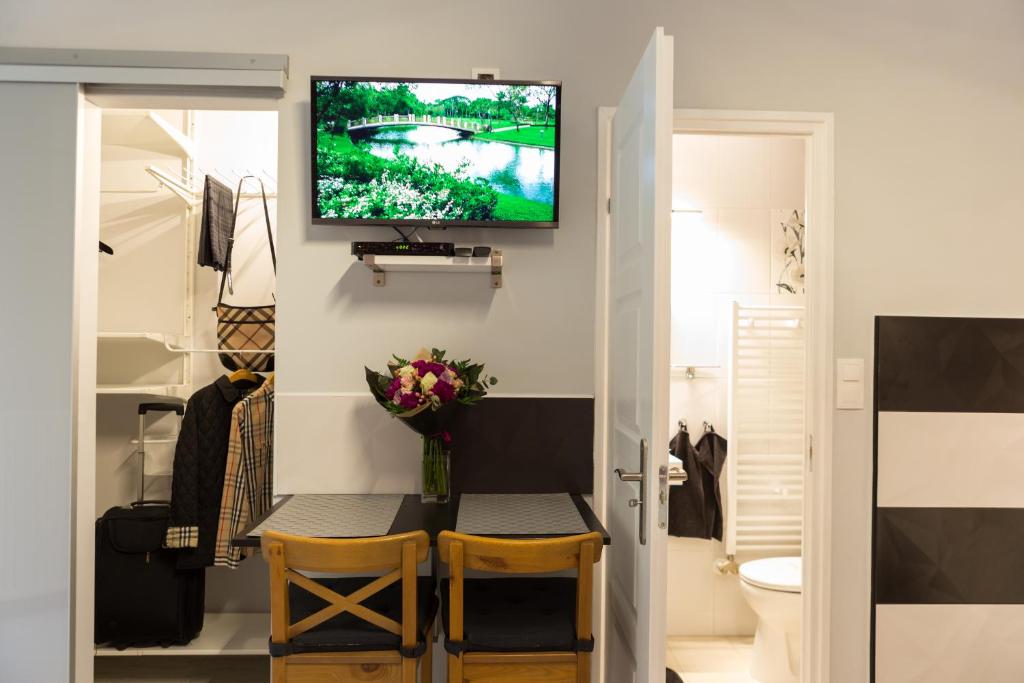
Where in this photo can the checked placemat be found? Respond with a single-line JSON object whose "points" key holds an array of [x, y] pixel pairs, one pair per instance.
{"points": [[519, 514], [334, 515]]}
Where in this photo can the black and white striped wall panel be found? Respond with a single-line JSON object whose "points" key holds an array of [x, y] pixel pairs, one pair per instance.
{"points": [[948, 579]]}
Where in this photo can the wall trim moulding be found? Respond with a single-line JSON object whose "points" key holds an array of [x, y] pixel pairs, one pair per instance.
{"points": [[366, 394], [261, 74]]}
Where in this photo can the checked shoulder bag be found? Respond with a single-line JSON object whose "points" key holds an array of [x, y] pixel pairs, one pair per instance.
{"points": [[245, 332]]}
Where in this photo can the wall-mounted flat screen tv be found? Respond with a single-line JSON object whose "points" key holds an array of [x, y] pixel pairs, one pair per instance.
{"points": [[435, 152]]}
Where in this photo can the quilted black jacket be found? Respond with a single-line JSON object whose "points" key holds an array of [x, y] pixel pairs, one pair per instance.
{"points": [[198, 475]]}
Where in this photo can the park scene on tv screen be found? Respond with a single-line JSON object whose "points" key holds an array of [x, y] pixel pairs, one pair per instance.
{"points": [[440, 151]]}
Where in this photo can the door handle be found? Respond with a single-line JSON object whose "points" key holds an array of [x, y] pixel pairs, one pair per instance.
{"points": [[629, 476], [641, 478], [673, 475], [666, 477]]}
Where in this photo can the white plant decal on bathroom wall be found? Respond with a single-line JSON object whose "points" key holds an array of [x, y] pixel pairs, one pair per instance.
{"points": [[789, 252]]}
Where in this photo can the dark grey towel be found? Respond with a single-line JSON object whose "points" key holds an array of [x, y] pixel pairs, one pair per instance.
{"points": [[711, 453], [695, 507], [686, 509], [218, 224], [672, 677]]}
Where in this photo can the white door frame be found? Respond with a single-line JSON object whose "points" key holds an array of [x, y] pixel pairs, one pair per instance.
{"points": [[817, 129], [84, 361]]}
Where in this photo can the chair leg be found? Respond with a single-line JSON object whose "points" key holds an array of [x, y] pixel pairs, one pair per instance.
{"points": [[427, 665], [454, 669], [277, 670], [409, 670], [582, 667]]}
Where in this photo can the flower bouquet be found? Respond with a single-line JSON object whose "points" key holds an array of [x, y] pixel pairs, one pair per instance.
{"points": [[425, 393]]}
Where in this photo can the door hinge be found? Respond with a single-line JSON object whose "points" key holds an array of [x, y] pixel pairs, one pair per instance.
{"points": [[810, 452], [609, 205]]}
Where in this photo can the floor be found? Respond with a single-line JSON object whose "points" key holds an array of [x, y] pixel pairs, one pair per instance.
{"points": [[182, 669], [711, 659]]}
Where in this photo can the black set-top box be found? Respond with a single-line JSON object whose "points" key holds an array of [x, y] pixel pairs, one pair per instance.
{"points": [[360, 249]]}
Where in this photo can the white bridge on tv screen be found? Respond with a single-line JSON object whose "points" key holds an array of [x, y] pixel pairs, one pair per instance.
{"points": [[463, 125]]}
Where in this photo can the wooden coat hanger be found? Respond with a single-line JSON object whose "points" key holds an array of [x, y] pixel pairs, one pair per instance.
{"points": [[243, 375]]}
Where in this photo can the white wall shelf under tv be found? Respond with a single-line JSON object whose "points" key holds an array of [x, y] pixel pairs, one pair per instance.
{"points": [[381, 265]]}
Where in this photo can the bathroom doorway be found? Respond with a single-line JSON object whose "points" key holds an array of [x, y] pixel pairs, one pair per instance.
{"points": [[737, 406], [750, 383], [751, 379]]}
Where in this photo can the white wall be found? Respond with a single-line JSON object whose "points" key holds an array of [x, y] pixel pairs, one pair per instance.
{"points": [[730, 193], [37, 122], [929, 165]]}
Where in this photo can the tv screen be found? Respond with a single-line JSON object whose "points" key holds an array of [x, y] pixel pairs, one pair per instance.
{"points": [[435, 152]]}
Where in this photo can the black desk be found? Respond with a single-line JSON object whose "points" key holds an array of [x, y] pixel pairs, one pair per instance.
{"points": [[414, 515]]}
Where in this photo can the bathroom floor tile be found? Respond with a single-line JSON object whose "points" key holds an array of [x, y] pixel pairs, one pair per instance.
{"points": [[717, 677], [670, 660], [715, 656]]}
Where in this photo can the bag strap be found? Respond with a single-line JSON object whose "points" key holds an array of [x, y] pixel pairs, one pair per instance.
{"points": [[226, 275]]}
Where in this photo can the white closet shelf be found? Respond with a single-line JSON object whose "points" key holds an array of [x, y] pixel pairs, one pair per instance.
{"points": [[157, 440], [146, 130], [156, 337], [380, 265], [168, 390], [226, 633]]}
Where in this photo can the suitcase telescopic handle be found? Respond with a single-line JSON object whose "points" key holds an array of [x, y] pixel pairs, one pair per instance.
{"points": [[176, 408], [144, 409]]}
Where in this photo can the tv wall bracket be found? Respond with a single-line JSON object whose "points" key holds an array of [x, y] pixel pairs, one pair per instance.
{"points": [[382, 265]]}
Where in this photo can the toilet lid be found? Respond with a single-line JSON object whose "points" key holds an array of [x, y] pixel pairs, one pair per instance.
{"points": [[773, 573]]}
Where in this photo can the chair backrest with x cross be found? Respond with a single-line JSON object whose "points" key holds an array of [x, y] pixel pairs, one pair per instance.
{"points": [[304, 647]]}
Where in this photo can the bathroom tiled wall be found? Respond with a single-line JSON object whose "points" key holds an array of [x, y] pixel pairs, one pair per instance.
{"points": [[730, 193]]}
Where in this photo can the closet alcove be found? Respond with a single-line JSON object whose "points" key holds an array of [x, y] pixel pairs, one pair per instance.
{"points": [[155, 333]]}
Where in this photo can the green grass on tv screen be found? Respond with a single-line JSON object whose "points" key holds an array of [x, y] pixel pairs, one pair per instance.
{"points": [[445, 151]]}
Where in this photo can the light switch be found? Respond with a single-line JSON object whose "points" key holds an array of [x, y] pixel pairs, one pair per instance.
{"points": [[850, 383]]}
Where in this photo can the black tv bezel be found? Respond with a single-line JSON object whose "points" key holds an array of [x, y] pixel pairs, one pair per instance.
{"points": [[431, 222]]}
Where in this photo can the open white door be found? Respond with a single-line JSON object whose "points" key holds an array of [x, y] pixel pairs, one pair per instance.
{"points": [[638, 374]]}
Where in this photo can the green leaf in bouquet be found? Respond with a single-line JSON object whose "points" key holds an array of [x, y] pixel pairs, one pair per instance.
{"points": [[378, 384], [471, 374]]}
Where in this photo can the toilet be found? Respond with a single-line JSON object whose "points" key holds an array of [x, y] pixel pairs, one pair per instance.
{"points": [[772, 589]]}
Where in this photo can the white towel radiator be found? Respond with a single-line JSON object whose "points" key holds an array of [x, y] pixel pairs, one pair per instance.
{"points": [[765, 464]]}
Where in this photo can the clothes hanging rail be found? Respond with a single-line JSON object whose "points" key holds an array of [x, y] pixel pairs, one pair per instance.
{"points": [[179, 349], [192, 196]]}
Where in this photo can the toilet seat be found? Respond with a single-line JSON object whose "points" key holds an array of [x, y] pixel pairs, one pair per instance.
{"points": [[781, 574]]}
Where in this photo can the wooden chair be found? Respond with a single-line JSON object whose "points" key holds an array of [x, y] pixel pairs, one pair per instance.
{"points": [[521, 629], [349, 629]]}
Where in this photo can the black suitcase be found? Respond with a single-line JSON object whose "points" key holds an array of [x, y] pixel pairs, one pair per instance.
{"points": [[142, 599]]}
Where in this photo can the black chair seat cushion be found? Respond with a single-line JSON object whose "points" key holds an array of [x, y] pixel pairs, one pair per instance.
{"points": [[348, 633], [515, 615]]}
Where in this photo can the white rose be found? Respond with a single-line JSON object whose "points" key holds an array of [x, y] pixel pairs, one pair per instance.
{"points": [[427, 382]]}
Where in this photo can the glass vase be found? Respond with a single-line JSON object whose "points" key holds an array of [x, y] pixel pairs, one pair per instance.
{"points": [[436, 470]]}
